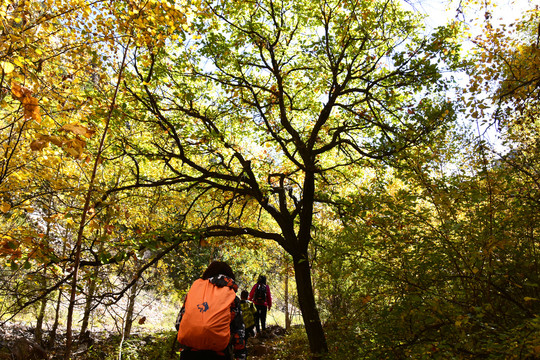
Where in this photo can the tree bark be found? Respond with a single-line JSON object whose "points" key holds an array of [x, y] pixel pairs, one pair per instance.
{"points": [[310, 314], [38, 333], [131, 306], [89, 298], [287, 313], [52, 338]]}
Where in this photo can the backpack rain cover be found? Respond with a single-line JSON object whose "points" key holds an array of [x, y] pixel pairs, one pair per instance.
{"points": [[206, 321]]}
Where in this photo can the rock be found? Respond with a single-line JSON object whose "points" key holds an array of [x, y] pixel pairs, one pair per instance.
{"points": [[277, 330], [24, 349], [86, 338], [257, 350]]}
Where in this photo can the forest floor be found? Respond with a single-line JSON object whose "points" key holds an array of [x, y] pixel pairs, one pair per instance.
{"points": [[266, 345], [18, 343]]}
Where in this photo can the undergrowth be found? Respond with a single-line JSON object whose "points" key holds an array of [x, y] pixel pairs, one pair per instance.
{"points": [[157, 346]]}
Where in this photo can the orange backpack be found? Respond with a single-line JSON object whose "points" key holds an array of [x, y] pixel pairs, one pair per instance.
{"points": [[206, 321]]}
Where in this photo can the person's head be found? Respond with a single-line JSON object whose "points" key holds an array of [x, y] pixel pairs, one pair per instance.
{"points": [[216, 268], [244, 295], [262, 279]]}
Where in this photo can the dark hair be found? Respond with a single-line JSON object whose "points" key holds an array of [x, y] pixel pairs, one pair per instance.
{"points": [[216, 268], [244, 294], [262, 279]]}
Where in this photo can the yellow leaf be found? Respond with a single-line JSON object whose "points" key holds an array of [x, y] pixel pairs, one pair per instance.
{"points": [[78, 130], [5, 207], [75, 147], [7, 67], [72, 152], [94, 225], [18, 61], [526, 298]]}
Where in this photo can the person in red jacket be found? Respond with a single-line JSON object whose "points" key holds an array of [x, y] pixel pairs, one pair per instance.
{"points": [[261, 297]]}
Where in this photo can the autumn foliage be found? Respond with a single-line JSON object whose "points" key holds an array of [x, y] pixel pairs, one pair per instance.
{"points": [[327, 144]]}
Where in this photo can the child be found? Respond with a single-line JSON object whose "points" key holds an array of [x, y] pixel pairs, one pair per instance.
{"points": [[248, 313]]}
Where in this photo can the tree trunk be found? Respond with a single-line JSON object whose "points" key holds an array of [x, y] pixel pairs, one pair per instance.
{"points": [[86, 207], [130, 308], [310, 314], [88, 305], [287, 313], [38, 333], [52, 338]]}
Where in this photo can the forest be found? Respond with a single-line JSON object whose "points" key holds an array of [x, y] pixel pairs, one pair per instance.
{"points": [[377, 160]]}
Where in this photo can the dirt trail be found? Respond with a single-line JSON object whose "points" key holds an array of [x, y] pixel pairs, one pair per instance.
{"points": [[263, 345]]}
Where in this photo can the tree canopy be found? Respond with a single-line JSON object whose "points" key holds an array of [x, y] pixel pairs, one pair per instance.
{"points": [[330, 134]]}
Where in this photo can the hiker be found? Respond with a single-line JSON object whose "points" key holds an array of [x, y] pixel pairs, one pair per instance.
{"points": [[260, 295], [248, 314], [210, 324]]}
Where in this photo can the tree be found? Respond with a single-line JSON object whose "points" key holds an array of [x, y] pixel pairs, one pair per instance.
{"points": [[259, 116], [48, 70], [55, 94]]}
